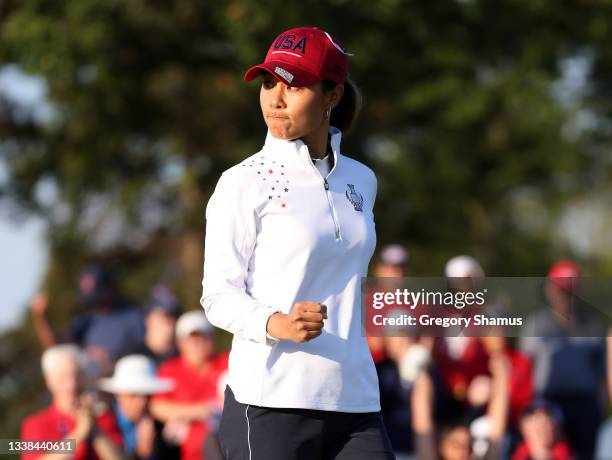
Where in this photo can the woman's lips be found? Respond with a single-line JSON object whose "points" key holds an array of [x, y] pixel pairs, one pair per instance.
{"points": [[276, 115]]}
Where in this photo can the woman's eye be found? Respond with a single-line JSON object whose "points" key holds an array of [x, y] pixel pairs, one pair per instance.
{"points": [[267, 84]]}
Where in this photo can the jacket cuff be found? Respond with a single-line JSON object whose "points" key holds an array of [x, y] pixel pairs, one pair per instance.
{"points": [[260, 323]]}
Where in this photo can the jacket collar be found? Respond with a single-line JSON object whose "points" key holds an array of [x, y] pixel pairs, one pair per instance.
{"points": [[296, 149]]}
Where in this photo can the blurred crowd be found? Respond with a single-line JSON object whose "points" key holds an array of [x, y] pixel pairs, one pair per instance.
{"points": [[147, 382], [129, 382], [540, 396]]}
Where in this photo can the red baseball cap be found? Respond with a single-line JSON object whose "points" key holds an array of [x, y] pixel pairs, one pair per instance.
{"points": [[303, 56], [564, 274]]}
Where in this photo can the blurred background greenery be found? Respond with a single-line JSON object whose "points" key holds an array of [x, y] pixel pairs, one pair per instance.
{"points": [[488, 123]]}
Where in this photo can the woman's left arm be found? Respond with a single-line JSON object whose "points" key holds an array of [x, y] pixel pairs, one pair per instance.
{"points": [[230, 240]]}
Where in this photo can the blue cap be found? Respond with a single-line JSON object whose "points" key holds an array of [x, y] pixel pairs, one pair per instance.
{"points": [[95, 285], [162, 298], [541, 404]]}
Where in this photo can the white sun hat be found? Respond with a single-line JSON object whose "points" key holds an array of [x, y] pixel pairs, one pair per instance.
{"points": [[135, 374]]}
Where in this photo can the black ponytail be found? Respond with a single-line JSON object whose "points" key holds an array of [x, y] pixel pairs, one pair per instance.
{"points": [[345, 114]]}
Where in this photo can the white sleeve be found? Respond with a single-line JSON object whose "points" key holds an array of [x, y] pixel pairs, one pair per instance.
{"points": [[230, 239], [375, 194]]}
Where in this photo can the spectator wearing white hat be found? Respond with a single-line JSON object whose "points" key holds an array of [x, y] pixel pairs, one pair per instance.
{"points": [[132, 383], [393, 262], [464, 271], [460, 358], [192, 402], [71, 415]]}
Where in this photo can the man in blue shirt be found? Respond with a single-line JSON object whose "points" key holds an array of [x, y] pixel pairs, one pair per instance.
{"points": [[105, 327]]}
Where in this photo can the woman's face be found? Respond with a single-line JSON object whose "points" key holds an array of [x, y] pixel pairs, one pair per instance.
{"points": [[294, 112], [133, 406], [196, 348], [65, 380], [538, 429], [456, 445]]}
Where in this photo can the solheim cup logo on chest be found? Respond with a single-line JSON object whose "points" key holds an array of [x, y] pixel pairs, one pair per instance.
{"points": [[354, 197]]}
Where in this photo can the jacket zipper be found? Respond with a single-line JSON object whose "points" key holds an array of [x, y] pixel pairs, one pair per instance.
{"points": [[330, 201], [333, 210]]}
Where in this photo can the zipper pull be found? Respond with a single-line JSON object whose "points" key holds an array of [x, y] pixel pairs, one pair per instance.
{"points": [[325, 184]]}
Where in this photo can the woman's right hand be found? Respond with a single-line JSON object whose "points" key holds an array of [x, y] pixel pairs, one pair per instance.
{"points": [[303, 323]]}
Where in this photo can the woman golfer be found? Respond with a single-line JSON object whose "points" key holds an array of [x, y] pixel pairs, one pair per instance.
{"points": [[289, 234]]}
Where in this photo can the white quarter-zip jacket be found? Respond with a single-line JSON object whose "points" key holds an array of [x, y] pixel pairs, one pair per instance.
{"points": [[278, 232]]}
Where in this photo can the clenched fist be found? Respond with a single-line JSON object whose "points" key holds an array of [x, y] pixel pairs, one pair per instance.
{"points": [[303, 323]]}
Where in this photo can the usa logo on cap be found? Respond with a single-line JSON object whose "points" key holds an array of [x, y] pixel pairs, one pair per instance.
{"points": [[303, 56]]}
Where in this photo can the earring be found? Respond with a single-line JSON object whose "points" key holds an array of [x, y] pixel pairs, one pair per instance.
{"points": [[328, 112]]}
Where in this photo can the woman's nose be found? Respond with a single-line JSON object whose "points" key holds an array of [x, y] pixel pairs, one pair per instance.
{"points": [[277, 98]]}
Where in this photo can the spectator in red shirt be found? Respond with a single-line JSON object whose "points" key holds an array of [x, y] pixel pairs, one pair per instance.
{"points": [[540, 430], [452, 439], [460, 358], [193, 402], [71, 415], [521, 374]]}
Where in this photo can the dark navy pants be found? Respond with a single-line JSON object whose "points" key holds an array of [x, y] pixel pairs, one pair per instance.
{"points": [[261, 433]]}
